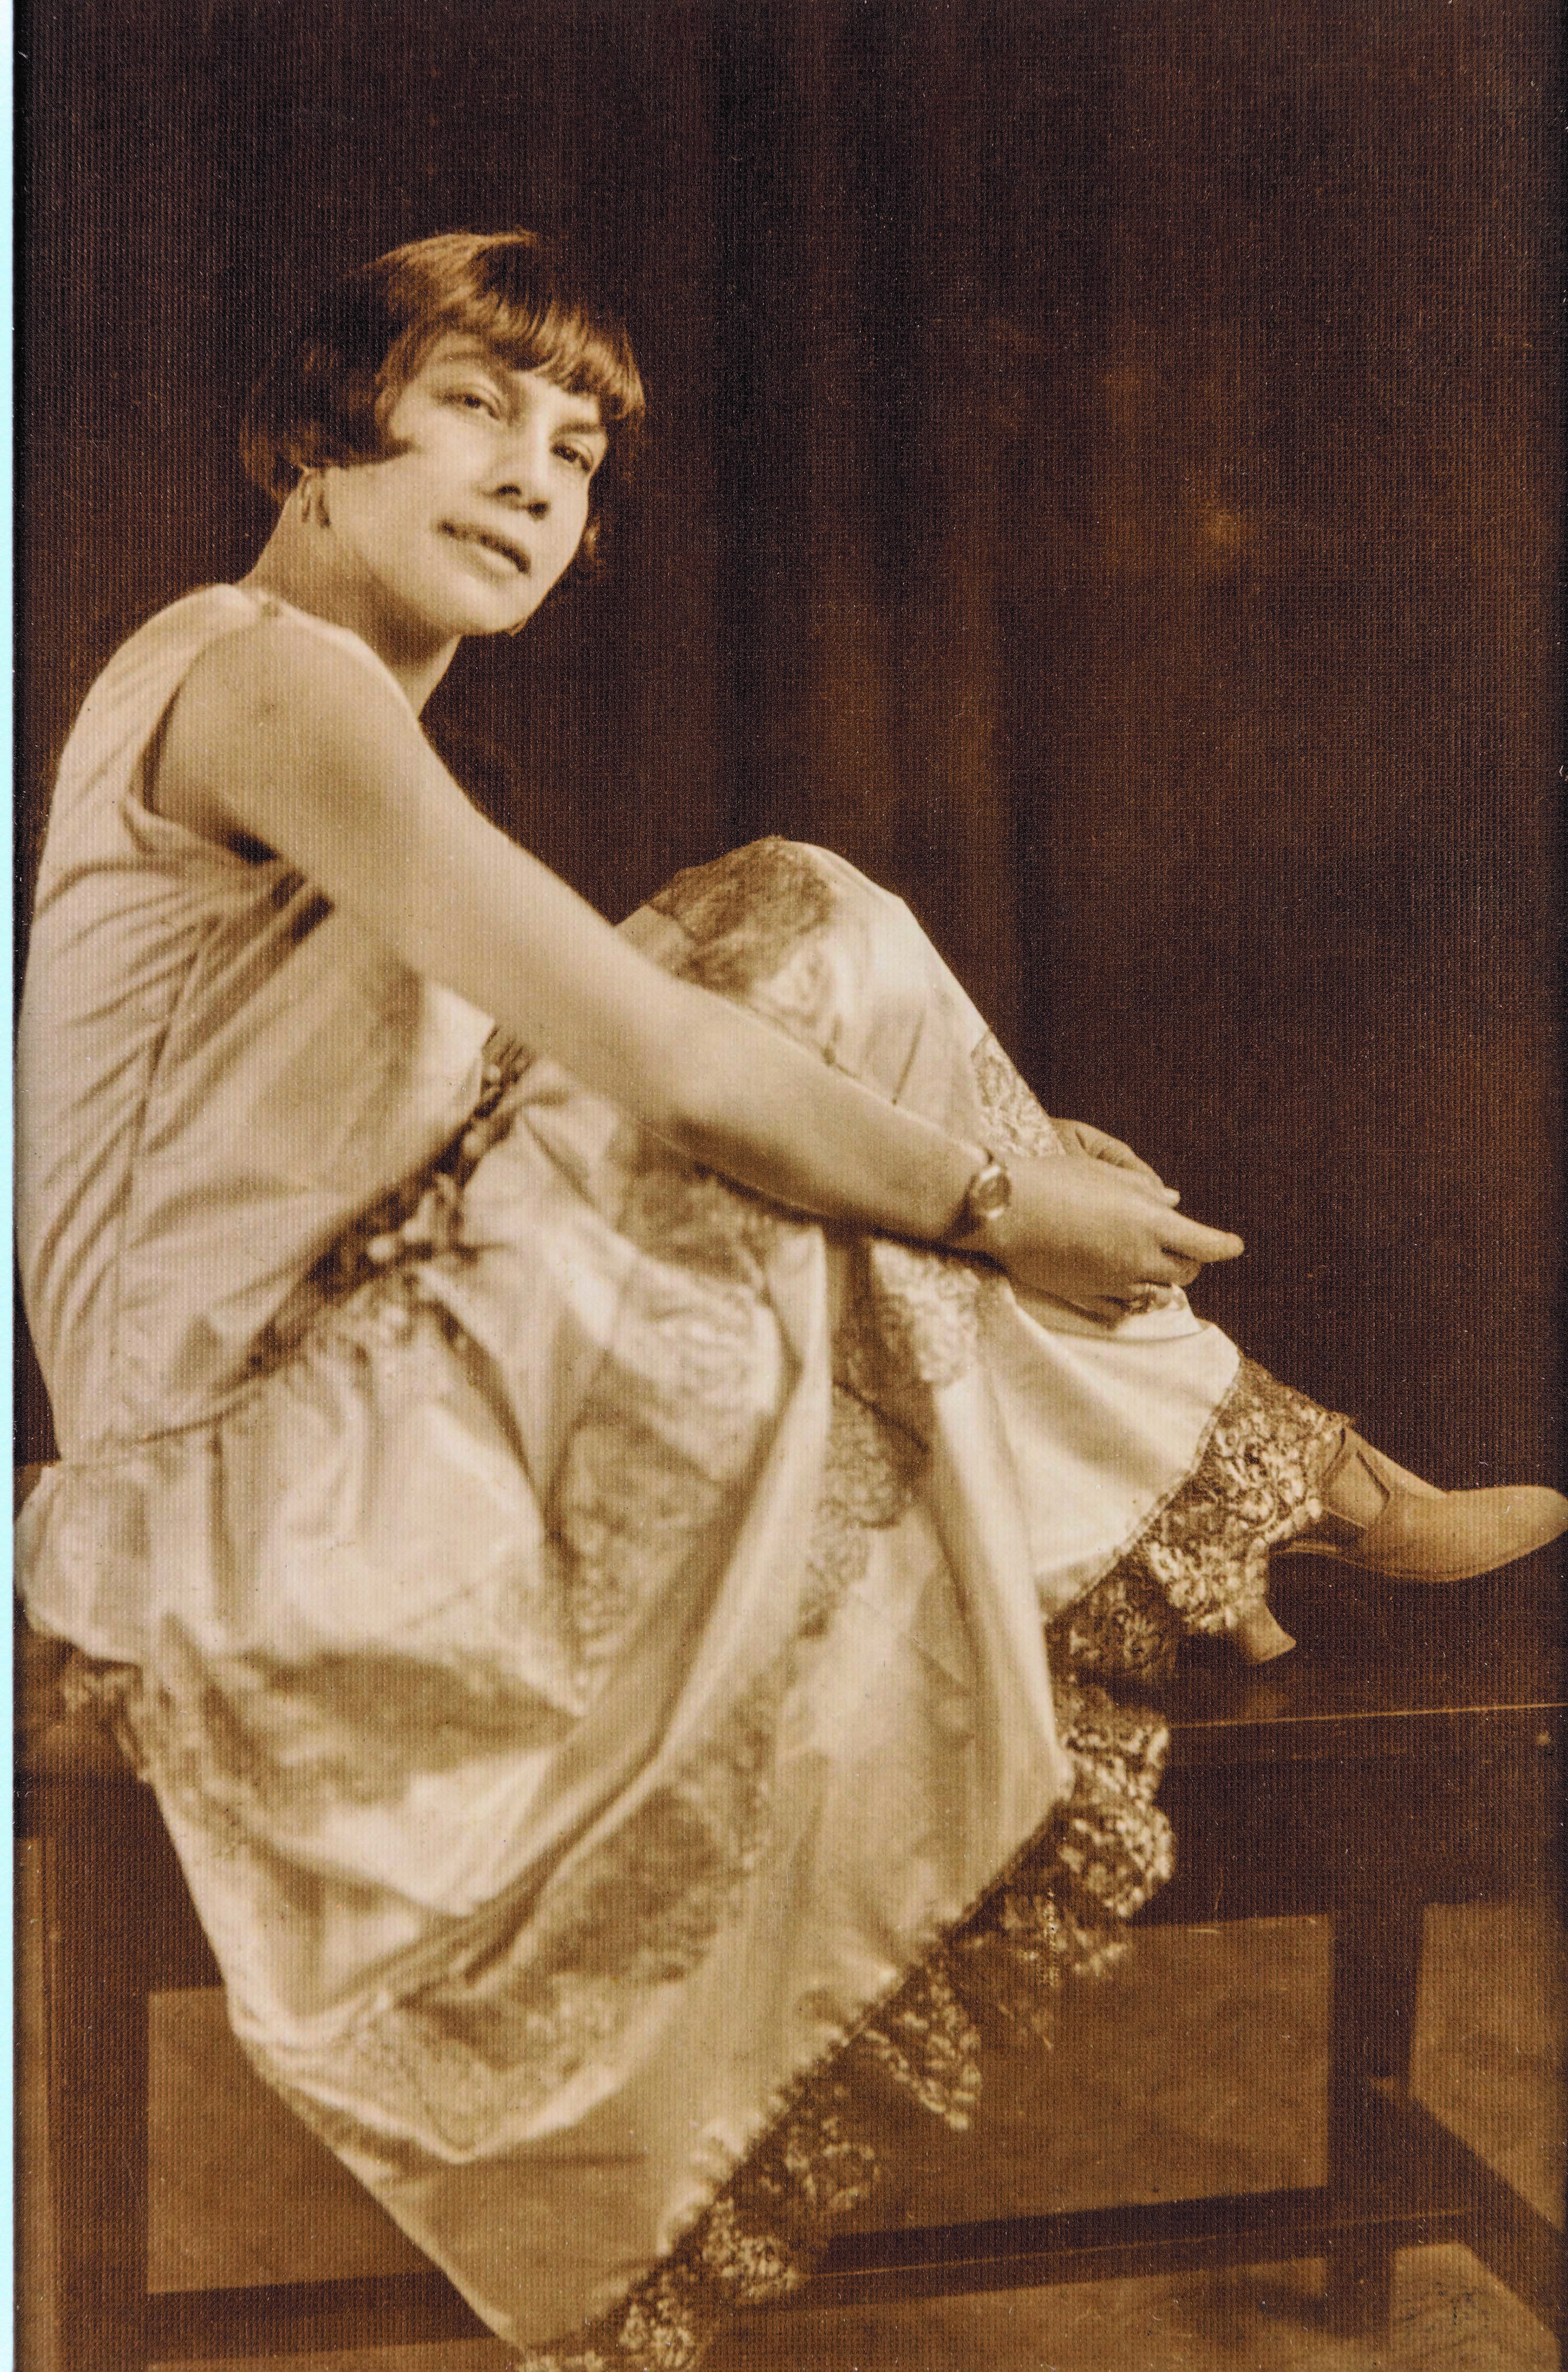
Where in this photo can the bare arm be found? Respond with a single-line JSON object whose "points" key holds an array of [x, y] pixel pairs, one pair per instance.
{"points": [[280, 737]]}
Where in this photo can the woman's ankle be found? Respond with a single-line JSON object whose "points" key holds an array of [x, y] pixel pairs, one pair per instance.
{"points": [[1361, 1483]]}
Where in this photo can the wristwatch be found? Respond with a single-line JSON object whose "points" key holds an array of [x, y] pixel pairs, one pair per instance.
{"points": [[986, 1196]]}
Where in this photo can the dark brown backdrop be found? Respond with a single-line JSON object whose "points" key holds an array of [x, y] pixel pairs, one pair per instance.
{"points": [[1102, 481]]}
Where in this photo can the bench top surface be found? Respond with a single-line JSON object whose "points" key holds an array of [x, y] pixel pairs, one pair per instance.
{"points": [[1379, 1668]]}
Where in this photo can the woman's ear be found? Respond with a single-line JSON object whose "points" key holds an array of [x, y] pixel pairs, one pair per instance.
{"points": [[312, 492]]}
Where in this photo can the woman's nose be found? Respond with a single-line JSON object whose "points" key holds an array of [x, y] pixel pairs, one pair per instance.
{"points": [[521, 477]]}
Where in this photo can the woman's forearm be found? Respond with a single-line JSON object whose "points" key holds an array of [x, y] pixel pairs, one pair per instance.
{"points": [[765, 1112], [708, 1076], [758, 1108]]}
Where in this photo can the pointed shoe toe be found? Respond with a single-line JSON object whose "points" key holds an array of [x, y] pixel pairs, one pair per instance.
{"points": [[1453, 1536]]}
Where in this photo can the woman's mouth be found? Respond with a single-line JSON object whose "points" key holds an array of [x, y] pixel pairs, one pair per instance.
{"points": [[505, 553]]}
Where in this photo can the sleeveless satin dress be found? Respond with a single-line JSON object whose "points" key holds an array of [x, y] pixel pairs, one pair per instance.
{"points": [[590, 1632]]}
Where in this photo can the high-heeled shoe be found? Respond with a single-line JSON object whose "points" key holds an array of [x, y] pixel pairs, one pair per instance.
{"points": [[1378, 1516], [1259, 1638]]}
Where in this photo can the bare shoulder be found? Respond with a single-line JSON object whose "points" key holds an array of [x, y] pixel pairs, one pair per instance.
{"points": [[270, 708]]}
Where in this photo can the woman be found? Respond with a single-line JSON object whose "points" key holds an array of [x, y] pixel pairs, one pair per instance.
{"points": [[573, 1538]]}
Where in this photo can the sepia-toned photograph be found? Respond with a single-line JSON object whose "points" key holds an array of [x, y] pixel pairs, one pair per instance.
{"points": [[789, 1186]]}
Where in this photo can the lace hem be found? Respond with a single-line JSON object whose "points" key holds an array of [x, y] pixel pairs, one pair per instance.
{"points": [[1202, 1565], [1059, 1913], [1099, 1857]]}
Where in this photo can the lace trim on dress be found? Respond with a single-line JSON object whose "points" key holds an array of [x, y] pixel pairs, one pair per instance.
{"points": [[1059, 1913], [413, 1221], [1203, 1564], [746, 913], [1019, 1122], [756, 920], [520, 2009], [1097, 1859]]}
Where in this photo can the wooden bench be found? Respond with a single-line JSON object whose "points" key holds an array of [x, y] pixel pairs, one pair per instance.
{"points": [[1406, 1754]]}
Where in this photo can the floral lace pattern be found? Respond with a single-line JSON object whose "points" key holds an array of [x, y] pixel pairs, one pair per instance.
{"points": [[868, 1476], [756, 2242], [754, 919], [1202, 1565], [413, 1222], [1060, 1914], [1019, 1122], [668, 1427], [747, 912], [256, 1740], [918, 1322], [521, 2011], [1063, 1912]]}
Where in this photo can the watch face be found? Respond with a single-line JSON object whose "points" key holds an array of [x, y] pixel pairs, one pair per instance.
{"points": [[991, 1193]]}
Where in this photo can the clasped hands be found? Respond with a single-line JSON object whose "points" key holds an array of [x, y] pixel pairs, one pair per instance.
{"points": [[1100, 1231]]}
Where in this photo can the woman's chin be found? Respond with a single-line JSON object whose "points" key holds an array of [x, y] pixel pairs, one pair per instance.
{"points": [[458, 614], [499, 608]]}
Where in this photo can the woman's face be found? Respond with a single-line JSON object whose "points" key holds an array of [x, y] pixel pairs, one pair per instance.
{"points": [[465, 530]]}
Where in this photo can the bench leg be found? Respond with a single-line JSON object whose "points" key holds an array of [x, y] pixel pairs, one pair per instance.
{"points": [[1376, 1973], [96, 2013]]}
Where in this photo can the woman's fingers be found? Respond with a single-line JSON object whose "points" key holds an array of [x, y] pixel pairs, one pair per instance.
{"points": [[1146, 1183], [1189, 1240], [1122, 1156], [1116, 1155], [1101, 1236]]}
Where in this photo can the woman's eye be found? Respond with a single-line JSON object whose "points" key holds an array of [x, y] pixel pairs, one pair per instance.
{"points": [[474, 399], [579, 458]]}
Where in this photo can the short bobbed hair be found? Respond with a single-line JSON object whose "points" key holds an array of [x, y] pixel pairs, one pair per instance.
{"points": [[325, 402]]}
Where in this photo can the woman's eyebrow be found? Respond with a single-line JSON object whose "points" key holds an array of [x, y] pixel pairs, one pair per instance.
{"points": [[453, 353], [475, 354], [464, 354]]}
